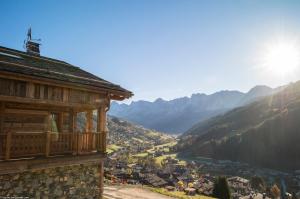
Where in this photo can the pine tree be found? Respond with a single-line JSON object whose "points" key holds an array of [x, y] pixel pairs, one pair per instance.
{"points": [[221, 189]]}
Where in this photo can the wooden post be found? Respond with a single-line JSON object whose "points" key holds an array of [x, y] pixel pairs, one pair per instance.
{"points": [[30, 90], [2, 110], [48, 122], [101, 124], [88, 130], [71, 121], [65, 95], [60, 122], [48, 142], [72, 129], [8, 145], [42, 91], [101, 127]]}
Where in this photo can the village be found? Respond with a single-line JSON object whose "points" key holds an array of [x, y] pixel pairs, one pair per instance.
{"points": [[150, 99], [156, 165]]}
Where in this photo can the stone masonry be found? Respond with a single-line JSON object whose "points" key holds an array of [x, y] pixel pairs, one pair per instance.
{"points": [[79, 181]]}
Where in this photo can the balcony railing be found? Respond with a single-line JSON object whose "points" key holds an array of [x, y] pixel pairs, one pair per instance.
{"points": [[24, 145]]}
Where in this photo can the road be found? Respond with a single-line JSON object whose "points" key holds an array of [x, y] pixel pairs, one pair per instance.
{"points": [[131, 192]]}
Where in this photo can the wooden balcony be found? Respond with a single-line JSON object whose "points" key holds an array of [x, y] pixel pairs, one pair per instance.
{"points": [[33, 145]]}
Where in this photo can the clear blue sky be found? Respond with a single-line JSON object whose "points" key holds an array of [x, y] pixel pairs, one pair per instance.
{"points": [[157, 48]]}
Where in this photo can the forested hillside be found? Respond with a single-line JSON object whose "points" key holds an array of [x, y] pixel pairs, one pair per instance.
{"points": [[122, 133], [264, 133]]}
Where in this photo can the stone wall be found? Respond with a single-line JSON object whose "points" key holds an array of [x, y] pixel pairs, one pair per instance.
{"points": [[79, 181]]}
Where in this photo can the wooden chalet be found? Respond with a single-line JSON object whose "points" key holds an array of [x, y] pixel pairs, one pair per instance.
{"points": [[41, 101]]}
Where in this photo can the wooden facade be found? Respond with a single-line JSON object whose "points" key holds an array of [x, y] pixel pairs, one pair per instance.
{"points": [[41, 120], [58, 110]]}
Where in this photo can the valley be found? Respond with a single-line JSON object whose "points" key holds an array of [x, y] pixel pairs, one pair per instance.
{"points": [[157, 164], [227, 144]]}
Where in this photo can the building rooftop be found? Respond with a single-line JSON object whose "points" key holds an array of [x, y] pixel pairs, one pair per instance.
{"points": [[26, 64]]}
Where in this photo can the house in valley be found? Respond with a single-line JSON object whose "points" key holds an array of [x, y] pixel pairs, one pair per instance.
{"points": [[154, 180], [43, 152]]}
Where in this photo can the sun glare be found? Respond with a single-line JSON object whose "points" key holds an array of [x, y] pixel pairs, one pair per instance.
{"points": [[282, 58]]}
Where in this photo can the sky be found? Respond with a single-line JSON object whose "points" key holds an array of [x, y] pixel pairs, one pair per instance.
{"points": [[159, 48]]}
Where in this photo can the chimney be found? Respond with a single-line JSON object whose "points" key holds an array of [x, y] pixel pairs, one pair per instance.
{"points": [[33, 47]]}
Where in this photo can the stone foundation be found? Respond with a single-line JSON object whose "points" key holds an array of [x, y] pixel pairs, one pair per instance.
{"points": [[79, 181]]}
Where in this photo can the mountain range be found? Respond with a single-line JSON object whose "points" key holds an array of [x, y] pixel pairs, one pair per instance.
{"points": [[178, 115], [263, 133]]}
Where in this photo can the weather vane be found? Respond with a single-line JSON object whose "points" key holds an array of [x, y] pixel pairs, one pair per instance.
{"points": [[29, 34], [32, 45]]}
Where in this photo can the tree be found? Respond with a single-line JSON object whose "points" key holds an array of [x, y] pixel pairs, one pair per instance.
{"points": [[180, 185], [258, 183], [275, 191], [221, 189], [190, 185]]}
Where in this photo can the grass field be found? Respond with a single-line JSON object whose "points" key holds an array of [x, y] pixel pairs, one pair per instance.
{"points": [[140, 155], [112, 148], [177, 194], [170, 144], [159, 159]]}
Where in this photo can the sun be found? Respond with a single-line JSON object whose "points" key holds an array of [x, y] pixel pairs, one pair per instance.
{"points": [[281, 58]]}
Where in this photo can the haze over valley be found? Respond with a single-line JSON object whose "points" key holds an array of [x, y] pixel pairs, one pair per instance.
{"points": [[178, 115]]}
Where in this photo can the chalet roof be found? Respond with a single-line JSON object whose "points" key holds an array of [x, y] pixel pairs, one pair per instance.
{"points": [[154, 180], [22, 63]]}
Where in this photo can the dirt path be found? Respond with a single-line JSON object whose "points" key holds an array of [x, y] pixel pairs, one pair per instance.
{"points": [[131, 192]]}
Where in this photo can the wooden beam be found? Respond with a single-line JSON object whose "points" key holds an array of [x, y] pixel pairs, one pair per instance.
{"points": [[19, 166], [47, 102], [29, 112], [59, 83], [36, 107]]}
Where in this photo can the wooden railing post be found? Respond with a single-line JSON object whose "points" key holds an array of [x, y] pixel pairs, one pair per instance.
{"points": [[48, 142], [77, 144], [72, 143], [8, 145]]}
